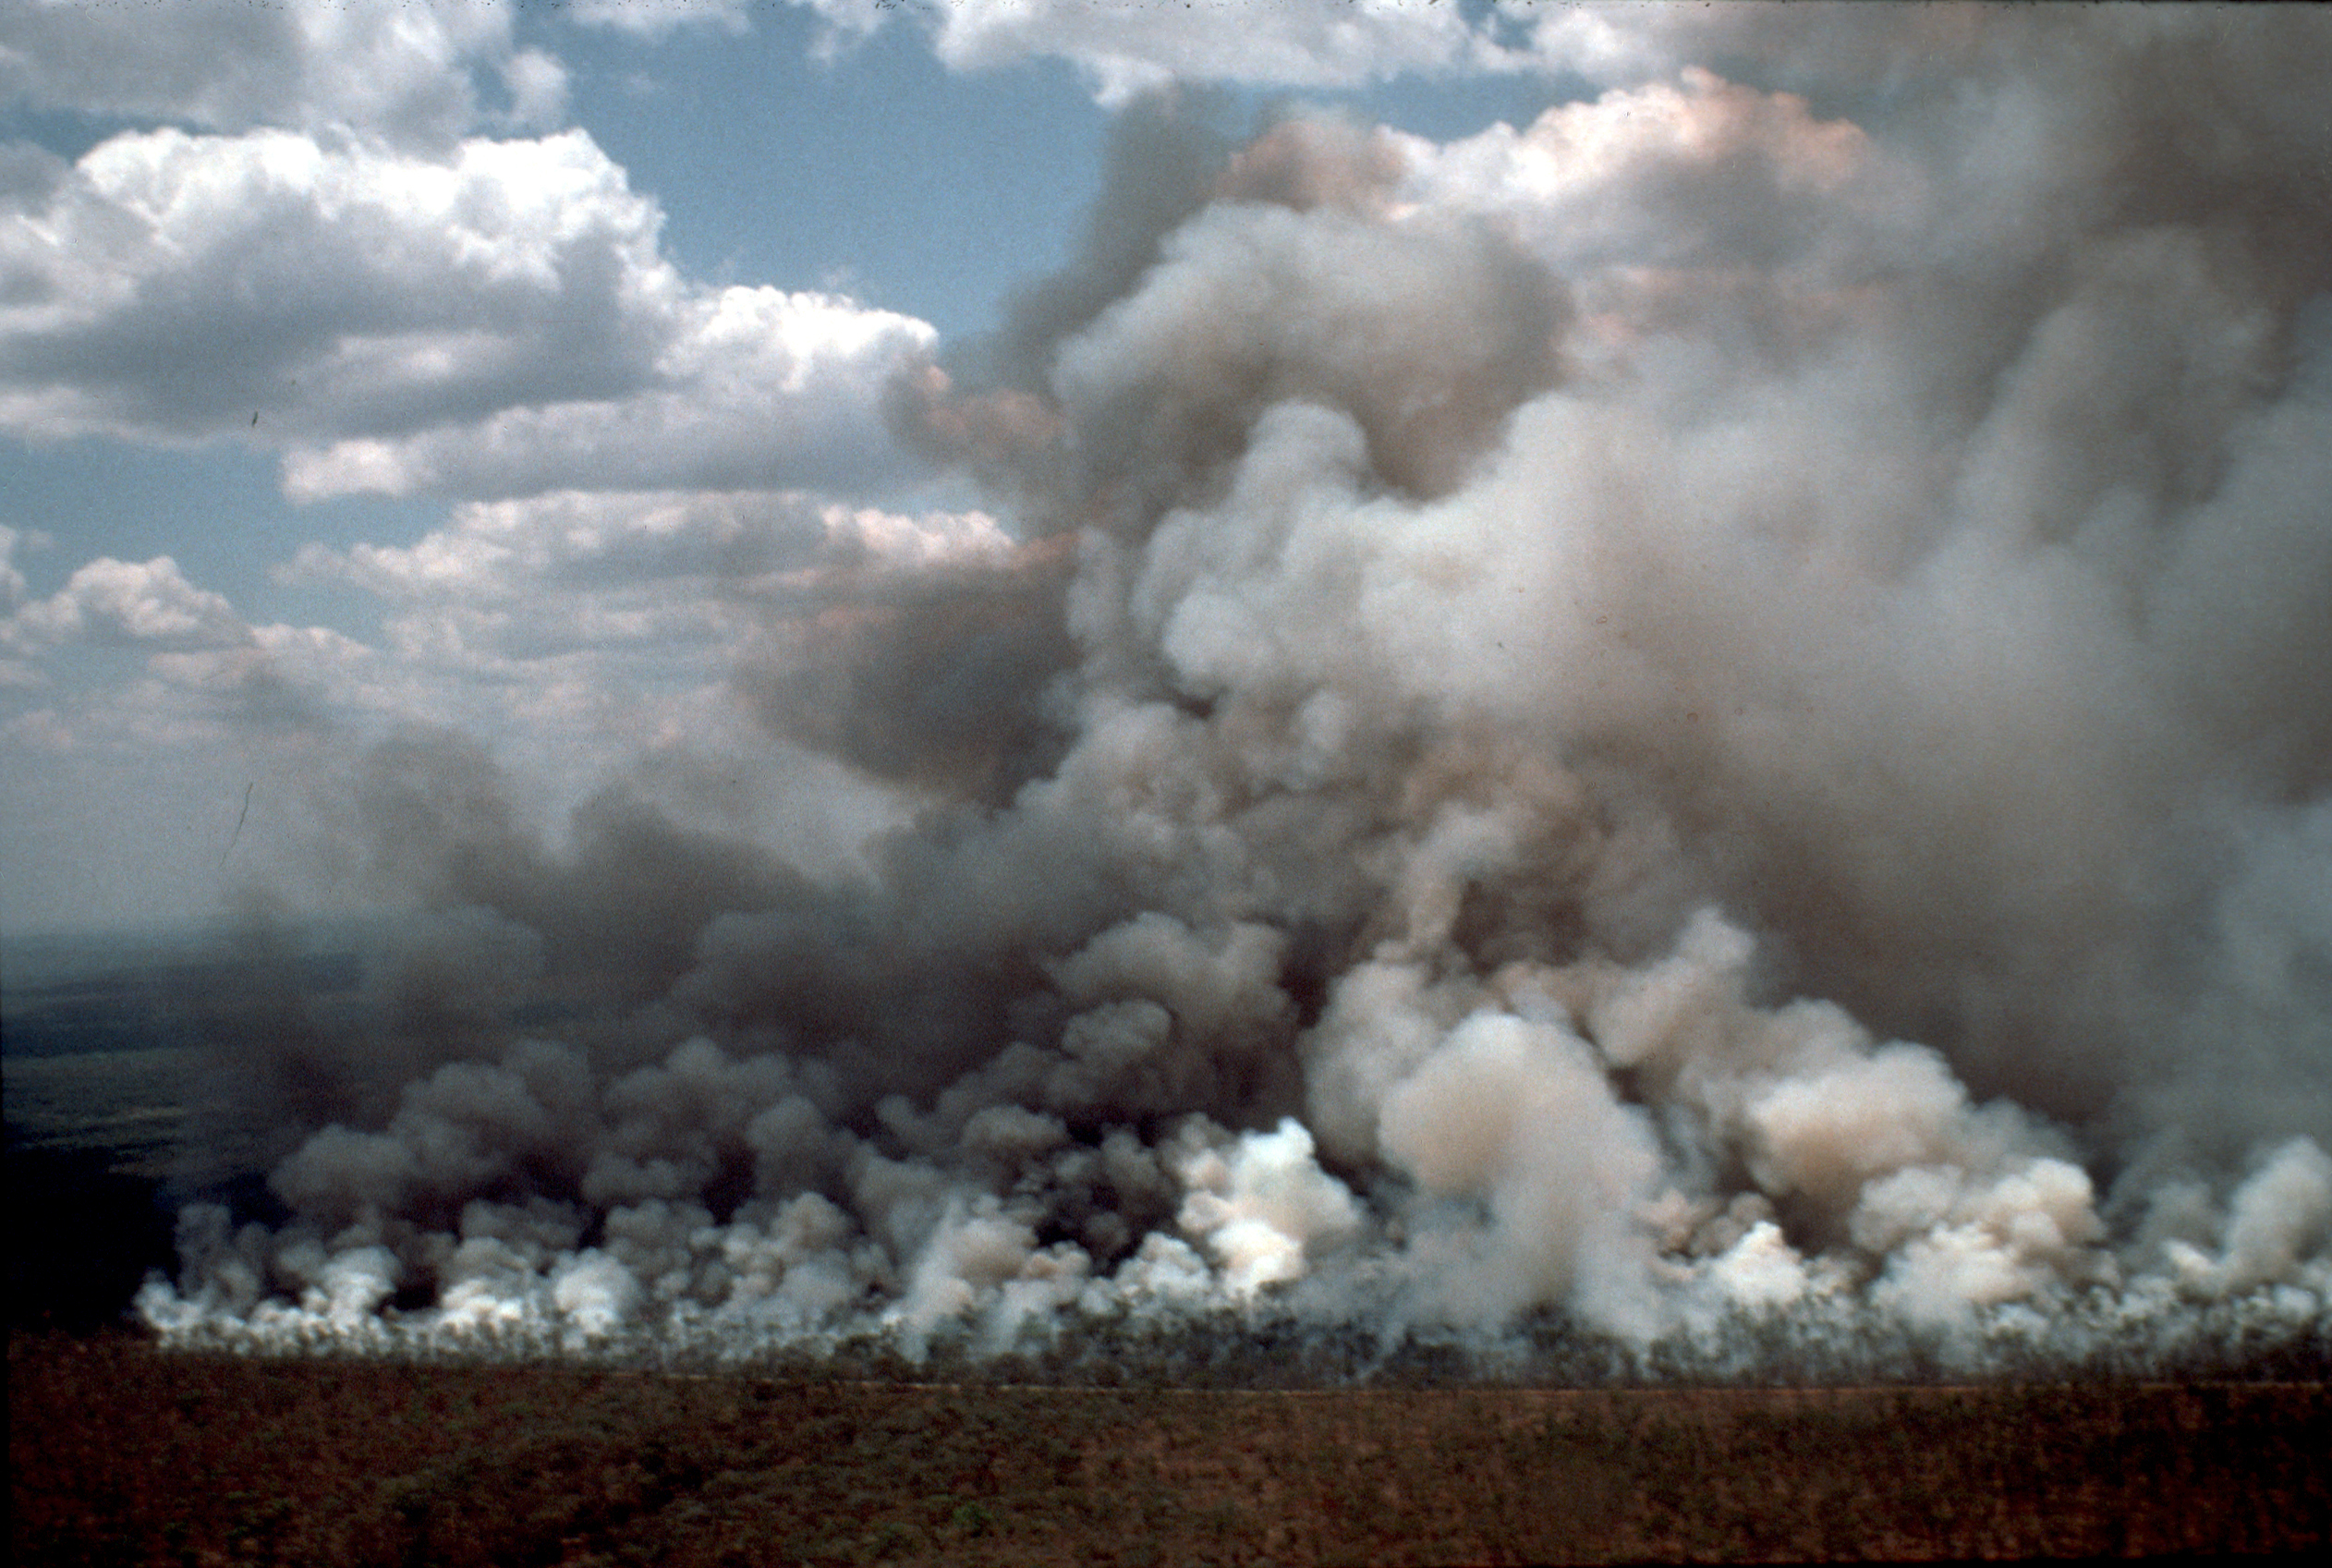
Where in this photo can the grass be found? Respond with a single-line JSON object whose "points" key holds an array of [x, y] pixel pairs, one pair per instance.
{"points": [[121, 1454]]}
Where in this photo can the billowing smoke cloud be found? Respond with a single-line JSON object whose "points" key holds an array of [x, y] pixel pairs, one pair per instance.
{"points": [[1708, 711]]}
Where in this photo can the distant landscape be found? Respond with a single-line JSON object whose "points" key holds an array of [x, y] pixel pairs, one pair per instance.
{"points": [[106, 1035]]}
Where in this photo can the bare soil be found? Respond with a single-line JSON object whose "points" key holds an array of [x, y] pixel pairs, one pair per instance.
{"points": [[121, 1454]]}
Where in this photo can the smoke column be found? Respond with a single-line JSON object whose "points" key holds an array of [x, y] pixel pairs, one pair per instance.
{"points": [[1708, 711]]}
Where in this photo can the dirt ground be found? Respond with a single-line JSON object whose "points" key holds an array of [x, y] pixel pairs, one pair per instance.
{"points": [[119, 1454]]}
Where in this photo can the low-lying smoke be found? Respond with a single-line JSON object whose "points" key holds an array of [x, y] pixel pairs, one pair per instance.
{"points": [[1704, 713]]}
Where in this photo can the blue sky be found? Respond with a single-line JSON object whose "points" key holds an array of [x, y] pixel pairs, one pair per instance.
{"points": [[896, 160]]}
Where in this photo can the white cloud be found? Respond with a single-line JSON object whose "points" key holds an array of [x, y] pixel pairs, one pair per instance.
{"points": [[582, 629], [12, 586], [203, 673], [417, 75], [125, 604], [1127, 49], [537, 84], [39, 729], [175, 284], [756, 387], [626, 603], [654, 18], [578, 540], [498, 321]]}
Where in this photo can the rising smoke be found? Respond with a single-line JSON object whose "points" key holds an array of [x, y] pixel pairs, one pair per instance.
{"points": [[1715, 709]]}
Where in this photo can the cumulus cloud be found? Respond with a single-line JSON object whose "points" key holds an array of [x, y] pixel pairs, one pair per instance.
{"points": [[207, 672], [1705, 710], [586, 625], [497, 321], [179, 282], [613, 604], [656, 19], [756, 386], [12, 584], [584, 540], [1125, 51], [126, 602], [418, 75]]}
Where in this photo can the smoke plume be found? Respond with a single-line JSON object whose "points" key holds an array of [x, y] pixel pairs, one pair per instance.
{"points": [[1716, 709]]}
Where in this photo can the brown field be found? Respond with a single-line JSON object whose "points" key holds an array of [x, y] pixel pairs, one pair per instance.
{"points": [[119, 1454]]}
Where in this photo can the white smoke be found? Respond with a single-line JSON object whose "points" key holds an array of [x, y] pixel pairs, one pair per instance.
{"points": [[1708, 711]]}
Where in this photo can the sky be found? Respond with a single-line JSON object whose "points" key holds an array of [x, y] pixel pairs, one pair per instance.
{"points": [[1660, 662], [295, 287]]}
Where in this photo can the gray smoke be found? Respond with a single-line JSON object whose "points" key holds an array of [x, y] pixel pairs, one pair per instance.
{"points": [[1710, 710]]}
